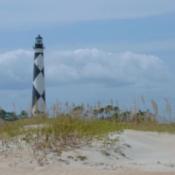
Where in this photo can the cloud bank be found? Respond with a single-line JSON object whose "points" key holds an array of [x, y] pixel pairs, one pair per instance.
{"points": [[82, 66]]}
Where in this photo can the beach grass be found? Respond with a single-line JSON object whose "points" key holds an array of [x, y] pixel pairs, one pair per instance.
{"points": [[66, 126], [65, 132]]}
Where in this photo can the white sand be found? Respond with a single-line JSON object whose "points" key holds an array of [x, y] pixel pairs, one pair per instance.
{"points": [[130, 152]]}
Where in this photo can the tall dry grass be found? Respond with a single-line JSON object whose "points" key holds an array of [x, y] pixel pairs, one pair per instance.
{"points": [[75, 123]]}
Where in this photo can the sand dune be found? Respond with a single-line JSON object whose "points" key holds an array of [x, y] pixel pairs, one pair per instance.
{"points": [[130, 152]]}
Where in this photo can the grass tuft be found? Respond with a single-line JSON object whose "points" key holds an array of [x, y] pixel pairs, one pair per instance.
{"points": [[61, 132]]}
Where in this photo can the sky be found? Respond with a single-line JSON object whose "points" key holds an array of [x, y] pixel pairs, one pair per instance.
{"points": [[96, 50]]}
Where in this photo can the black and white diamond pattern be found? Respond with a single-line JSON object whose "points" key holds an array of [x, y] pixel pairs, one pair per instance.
{"points": [[38, 101], [39, 61]]}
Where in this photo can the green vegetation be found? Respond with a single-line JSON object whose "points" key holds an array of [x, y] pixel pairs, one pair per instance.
{"points": [[60, 127], [8, 116], [68, 126], [79, 124]]}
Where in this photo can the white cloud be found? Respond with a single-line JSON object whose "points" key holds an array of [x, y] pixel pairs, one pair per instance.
{"points": [[22, 13], [93, 65], [15, 69], [83, 66]]}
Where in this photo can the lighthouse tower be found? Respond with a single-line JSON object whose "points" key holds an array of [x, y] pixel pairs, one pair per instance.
{"points": [[39, 98]]}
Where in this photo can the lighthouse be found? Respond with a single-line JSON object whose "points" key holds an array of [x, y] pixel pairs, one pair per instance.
{"points": [[38, 94]]}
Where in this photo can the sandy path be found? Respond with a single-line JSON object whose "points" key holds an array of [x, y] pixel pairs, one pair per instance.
{"points": [[75, 171], [151, 151]]}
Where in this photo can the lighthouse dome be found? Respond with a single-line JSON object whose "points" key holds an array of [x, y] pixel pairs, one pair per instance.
{"points": [[38, 42]]}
